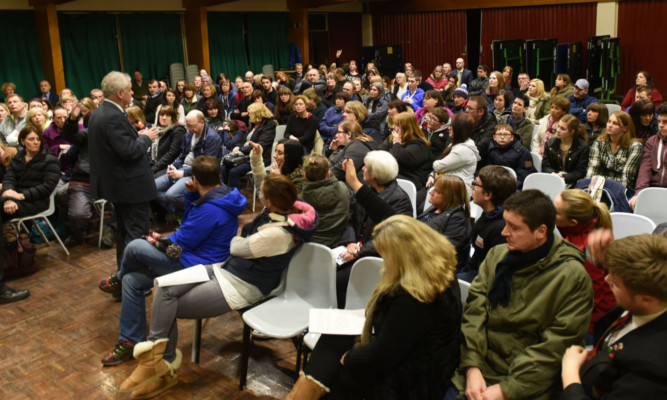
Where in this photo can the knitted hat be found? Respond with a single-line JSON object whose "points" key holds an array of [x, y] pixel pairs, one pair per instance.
{"points": [[461, 91]]}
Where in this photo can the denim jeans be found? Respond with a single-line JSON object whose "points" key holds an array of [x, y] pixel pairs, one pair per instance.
{"points": [[231, 176], [142, 263], [171, 192]]}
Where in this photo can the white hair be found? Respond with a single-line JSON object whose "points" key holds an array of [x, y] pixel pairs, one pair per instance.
{"points": [[113, 82], [382, 166]]}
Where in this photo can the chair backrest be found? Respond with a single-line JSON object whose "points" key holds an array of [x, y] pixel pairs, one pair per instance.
{"points": [[511, 171], [280, 133], [311, 276], [535, 129], [475, 211], [626, 224], [549, 184], [427, 204], [318, 144], [651, 203], [465, 288], [613, 107], [537, 161], [409, 188], [364, 276]]}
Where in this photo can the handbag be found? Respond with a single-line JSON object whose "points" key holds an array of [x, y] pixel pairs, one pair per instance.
{"points": [[20, 259], [235, 159]]}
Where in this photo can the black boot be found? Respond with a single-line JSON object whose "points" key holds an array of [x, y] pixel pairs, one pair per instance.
{"points": [[9, 295]]}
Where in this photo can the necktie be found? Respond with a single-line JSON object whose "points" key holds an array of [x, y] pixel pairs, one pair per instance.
{"points": [[458, 82], [616, 326]]}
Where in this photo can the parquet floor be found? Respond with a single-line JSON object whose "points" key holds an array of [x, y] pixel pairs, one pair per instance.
{"points": [[51, 343]]}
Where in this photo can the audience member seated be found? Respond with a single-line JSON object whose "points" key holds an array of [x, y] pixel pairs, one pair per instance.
{"points": [[410, 148], [199, 140], [512, 346], [332, 117], [155, 98], [166, 148], [349, 143], [432, 100], [448, 91], [38, 119], [596, 120], [26, 187], [136, 117], [139, 87], [302, 125], [563, 86], [267, 88], [566, 154], [208, 92], [356, 111], [170, 99], [507, 150], [539, 101], [8, 89], [315, 105], [46, 93], [284, 105], [524, 82], [409, 346], [437, 131], [263, 132], [241, 111], [232, 134], [653, 167], [377, 105], [479, 84], [288, 160], [485, 124], [330, 198], [643, 117], [214, 114], [615, 154], [519, 120], [4, 112], [508, 73], [209, 224], [577, 215], [189, 99], [413, 96], [580, 100], [437, 79], [548, 125], [400, 85], [502, 104], [496, 83], [258, 96], [642, 78], [460, 158], [490, 188], [460, 100], [13, 124]]}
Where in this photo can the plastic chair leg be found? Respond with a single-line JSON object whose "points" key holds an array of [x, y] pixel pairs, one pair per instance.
{"points": [[56, 235], [245, 355], [196, 342]]}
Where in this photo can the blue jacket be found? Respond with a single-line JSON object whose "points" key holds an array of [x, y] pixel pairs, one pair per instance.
{"points": [[579, 107], [417, 99], [210, 144], [329, 123], [209, 224]]}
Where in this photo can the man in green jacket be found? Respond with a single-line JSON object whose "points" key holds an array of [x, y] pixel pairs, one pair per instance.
{"points": [[531, 300]]}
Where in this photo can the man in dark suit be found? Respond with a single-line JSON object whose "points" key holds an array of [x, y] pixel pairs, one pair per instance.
{"points": [[45, 93], [119, 169], [464, 75]]}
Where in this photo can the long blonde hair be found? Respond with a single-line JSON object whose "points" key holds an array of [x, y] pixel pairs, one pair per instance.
{"points": [[625, 121], [417, 259], [580, 206]]}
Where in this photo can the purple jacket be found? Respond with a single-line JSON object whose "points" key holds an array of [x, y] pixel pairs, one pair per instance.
{"points": [[53, 139], [652, 170]]}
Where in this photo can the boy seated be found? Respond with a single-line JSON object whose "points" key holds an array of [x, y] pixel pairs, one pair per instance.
{"points": [[628, 361], [507, 150]]}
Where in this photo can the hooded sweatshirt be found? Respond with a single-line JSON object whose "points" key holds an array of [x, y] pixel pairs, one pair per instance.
{"points": [[461, 161]]}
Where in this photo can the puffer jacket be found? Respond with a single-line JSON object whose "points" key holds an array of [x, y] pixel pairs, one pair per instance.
{"points": [[35, 179], [520, 346], [513, 155], [575, 163], [331, 199]]}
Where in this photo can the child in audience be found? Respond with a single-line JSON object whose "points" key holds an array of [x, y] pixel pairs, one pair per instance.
{"points": [[507, 150]]}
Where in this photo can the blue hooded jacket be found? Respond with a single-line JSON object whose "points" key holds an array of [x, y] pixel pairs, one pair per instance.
{"points": [[209, 224]]}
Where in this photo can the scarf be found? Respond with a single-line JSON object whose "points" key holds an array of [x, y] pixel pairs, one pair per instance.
{"points": [[156, 142], [501, 290], [514, 123]]}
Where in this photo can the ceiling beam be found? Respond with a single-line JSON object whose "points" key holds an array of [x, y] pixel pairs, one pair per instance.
{"points": [[204, 3], [297, 4]]}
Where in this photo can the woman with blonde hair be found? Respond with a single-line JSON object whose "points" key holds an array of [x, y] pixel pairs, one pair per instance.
{"points": [[38, 119], [616, 154], [539, 101], [356, 111], [409, 345], [4, 112], [410, 148], [576, 216], [400, 85], [136, 117], [566, 155], [351, 143]]}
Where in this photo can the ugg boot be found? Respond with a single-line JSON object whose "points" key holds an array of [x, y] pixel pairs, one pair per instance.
{"points": [[155, 387], [307, 388], [151, 365]]}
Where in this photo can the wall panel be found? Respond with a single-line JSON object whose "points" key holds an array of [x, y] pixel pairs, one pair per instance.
{"points": [[427, 38], [567, 23], [641, 31]]}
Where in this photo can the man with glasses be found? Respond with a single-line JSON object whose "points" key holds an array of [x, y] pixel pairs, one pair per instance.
{"points": [[437, 131], [414, 96], [524, 82], [485, 123]]}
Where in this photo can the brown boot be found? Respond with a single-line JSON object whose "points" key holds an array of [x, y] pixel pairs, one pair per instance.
{"points": [[307, 388], [155, 387], [151, 365]]}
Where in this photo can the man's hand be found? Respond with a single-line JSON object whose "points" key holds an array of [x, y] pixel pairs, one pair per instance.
{"points": [[292, 137], [351, 175], [76, 110], [12, 194], [633, 201], [598, 241], [352, 252], [191, 186], [175, 173], [152, 133], [475, 384], [338, 53], [494, 392], [573, 359]]}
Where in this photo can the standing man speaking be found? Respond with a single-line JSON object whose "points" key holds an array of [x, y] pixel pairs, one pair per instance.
{"points": [[119, 169]]}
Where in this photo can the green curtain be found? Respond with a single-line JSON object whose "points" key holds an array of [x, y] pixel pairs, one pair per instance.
{"points": [[151, 42], [90, 50], [20, 62], [267, 40], [226, 44]]}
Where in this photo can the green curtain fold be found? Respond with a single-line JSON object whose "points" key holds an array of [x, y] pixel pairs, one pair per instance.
{"points": [[90, 50], [267, 40], [151, 42], [226, 44], [20, 62]]}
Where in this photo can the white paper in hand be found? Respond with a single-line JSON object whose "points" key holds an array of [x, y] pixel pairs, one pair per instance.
{"points": [[336, 322], [194, 274]]}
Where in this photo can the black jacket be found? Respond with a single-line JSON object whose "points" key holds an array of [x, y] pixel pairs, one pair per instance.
{"points": [[151, 106], [482, 135], [263, 135], [414, 160], [575, 164], [513, 155], [35, 179], [439, 139], [169, 148], [79, 138], [485, 235]]}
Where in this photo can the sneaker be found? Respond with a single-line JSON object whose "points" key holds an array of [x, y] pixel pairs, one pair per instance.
{"points": [[111, 285], [121, 353]]}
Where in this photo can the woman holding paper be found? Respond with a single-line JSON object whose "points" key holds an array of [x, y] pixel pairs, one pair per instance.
{"points": [[258, 258], [409, 345]]}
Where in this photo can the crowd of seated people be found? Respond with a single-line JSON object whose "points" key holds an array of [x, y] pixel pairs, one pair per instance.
{"points": [[333, 179]]}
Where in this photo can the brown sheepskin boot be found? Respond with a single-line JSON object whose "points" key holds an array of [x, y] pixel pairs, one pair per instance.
{"points": [[155, 387], [151, 366], [307, 388]]}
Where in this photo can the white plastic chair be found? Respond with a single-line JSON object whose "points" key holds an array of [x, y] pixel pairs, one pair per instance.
{"points": [[613, 107], [364, 276], [19, 223], [427, 204], [537, 161], [465, 288], [475, 211], [626, 224], [409, 188], [280, 133], [511, 171], [549, 184], [651, 203], [311, 283], [535, 129]]}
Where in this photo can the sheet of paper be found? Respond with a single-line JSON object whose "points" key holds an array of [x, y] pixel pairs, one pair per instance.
{"points": [[194, 274], [336, 322]]}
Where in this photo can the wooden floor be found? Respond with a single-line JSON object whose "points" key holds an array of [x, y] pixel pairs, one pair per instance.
{"points": [[51, 343]]}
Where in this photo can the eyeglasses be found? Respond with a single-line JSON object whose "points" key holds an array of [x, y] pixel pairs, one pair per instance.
{"points": [[501, 135], [476, 184]]}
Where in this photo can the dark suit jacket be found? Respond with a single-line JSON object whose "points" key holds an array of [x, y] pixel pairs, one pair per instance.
{"points": [[53, 98], [466, 77], [119, 168]]}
